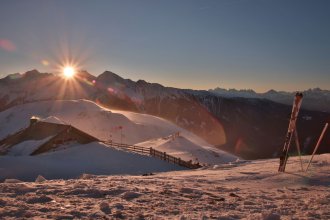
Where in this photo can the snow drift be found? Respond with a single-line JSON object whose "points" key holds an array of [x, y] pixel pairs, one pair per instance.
{"points": [[73, 160]]}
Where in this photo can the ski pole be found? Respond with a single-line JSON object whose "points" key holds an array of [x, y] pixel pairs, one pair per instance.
{"points": [[318, 144]]}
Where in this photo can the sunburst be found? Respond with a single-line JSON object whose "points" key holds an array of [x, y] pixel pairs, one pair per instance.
{"points": [[69, 72]]}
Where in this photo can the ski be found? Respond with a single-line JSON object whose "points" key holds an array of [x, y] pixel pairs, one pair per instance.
{"points": [[292, 126]]}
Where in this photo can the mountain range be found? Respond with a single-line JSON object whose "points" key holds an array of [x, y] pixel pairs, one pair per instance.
{"points": [[315, 99], [244, 123]]}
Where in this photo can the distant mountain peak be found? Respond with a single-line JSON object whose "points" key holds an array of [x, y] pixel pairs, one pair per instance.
{"points": [[32, 72], [86, 75], [141, 81], [19, 77], [12, 76], [271, 91], [110, 76]]}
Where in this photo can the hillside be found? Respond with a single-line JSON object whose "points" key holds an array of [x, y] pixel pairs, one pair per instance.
{"points": [[242, 126], [74, 160], [183, 148], [104, 124], [245, 190]]}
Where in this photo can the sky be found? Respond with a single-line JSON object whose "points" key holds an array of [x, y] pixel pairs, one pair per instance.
{"points": [[256, 44]]}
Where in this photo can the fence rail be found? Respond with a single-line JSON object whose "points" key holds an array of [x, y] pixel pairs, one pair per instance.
{"points": [[154, 153], [132, 148]]}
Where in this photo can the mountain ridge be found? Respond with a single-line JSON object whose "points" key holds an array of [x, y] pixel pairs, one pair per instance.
{"points": [[109, 76], [242, 126], [315, 98]]}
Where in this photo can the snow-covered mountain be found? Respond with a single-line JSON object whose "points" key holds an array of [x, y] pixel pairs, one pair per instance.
{"points": [[35, 86], [113, 91], [314, 99], [248, 127], [251, 128], [118, 126]]}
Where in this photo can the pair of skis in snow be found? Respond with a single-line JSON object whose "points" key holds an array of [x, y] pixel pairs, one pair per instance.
{"points": [[292, 133]]}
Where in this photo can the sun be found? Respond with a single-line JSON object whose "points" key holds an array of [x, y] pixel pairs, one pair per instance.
{"points": [[69, 72]]}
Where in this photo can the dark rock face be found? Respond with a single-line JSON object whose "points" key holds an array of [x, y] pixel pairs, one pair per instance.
{"points": [[249, 127], [188, 114]]}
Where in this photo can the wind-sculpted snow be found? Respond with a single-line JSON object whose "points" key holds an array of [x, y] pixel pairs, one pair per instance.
{"points": [[181, 147], [245, 190], [25, 148], [73, 160], [83, 114]]}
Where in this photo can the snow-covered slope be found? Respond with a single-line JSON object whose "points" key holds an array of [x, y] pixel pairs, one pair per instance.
{"points": [[105, 124], [252, 190], [83, 114], [183, 148], [157, 122], [186, 145], [25, 148], [94, 158]]}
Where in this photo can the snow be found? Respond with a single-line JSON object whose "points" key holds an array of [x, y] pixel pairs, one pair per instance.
{"points": [[181, 147], [241, 190], [105, 124], [315, 99], [94, 158], [85, 115], [156, 123], [187, 146], [52, 119], [25, 148]]}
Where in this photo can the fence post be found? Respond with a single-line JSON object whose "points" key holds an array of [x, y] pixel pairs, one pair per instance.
{"points": [[155, 153]]}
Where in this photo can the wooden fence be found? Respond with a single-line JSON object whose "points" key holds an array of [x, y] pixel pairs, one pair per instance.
{"points": [[131, 148], [154, 153]]}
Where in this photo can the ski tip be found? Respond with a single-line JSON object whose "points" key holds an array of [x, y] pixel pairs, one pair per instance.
{"points": [[299, 94]]}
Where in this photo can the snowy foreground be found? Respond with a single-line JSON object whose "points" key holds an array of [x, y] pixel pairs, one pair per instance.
{"points": [[73, 160], [252, 190]]}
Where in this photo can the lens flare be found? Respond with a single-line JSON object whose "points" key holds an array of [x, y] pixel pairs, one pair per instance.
{"points": [[7, 45], [45, 62]]}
